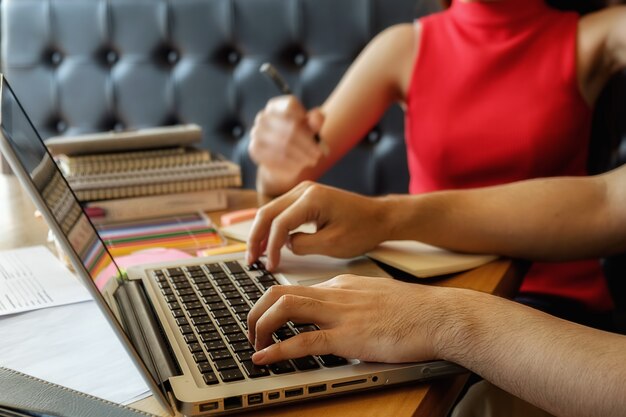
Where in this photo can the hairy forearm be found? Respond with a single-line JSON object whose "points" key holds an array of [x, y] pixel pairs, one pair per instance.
{"points": [[564, 368], [548, 219]]}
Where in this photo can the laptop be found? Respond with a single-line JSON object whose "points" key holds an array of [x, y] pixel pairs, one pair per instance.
{"points": [[184, 323]]}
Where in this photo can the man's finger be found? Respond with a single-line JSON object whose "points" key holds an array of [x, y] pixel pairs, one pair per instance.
{"points": [[319, 342], [272, 295]]}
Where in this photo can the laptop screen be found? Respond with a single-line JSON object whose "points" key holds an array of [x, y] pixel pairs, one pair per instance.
{"points": [[54, 190]]}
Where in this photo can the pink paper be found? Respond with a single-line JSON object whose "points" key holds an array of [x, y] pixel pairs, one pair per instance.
{"points": [[139, 258]]}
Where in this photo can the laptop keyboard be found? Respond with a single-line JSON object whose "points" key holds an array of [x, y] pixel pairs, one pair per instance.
{"points": [[210, 304]]}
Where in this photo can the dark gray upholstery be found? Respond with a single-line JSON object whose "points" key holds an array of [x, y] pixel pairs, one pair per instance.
{"points": [[95, 65]]}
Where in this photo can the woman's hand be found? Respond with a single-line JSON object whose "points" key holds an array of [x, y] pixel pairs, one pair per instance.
{"points": [[371, 319], [347, 224], [282, 138]]}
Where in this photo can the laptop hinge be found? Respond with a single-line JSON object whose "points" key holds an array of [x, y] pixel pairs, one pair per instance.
{"points": [[144, 331]]}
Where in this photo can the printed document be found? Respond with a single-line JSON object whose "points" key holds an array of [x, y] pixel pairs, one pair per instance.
{"points": [[32, 278]]}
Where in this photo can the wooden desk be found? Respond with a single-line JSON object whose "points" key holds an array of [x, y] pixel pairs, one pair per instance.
{"points": [[18, 227]]}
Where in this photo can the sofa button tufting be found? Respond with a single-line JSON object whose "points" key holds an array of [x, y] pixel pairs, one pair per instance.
{"points": [[233, 57], [237, 131], [172, 57], [55, 57], [373, 136], [111, 57], [299, 59], [60, 126]]}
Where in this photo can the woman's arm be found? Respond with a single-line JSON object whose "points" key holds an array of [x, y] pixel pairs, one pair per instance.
{"points": [[542, 219], [281, 141]]}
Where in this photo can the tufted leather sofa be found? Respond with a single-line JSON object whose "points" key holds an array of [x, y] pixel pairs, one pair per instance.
{"points": [[96, 65]]}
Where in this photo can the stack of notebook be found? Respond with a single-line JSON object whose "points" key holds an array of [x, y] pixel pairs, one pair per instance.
{"points": [[141, 163]]}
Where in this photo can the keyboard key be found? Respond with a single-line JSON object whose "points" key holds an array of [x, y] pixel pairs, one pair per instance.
{"points": [[210, 337], [219, 275], [238, 301], [195, 347], [190, 305], [243, 316], [223, 364], [228, 288], [200, 280], [212, 299], [175, 271], [181, 285], [206, 290], [205, 367], [185, 291], [200, 320], [170, 298], [190, 338], [255, 371], [246, 355], [216, 355], [186, 329], [250, 289], [267, 278], [230, 375], [215, 345], [178, 313], [168, 291], [254, 296], [218, 314], [284, 333], [181, 321], [190, 298], [226, 321], [306, 363], [210, 378], [222, 281], [330, 361], [241, 309], [199, 357], [236, 338], [205, 328], [216, 306], [282, 367], [197, 312], [234, 267], [214, 268], [241, 346], [231, 328]]}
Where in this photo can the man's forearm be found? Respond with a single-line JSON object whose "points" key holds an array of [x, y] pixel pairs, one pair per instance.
{"points": [[548, 219], [564, 368]]}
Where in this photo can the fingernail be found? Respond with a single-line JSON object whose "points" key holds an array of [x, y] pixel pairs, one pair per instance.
{"points": [[258, 356], [248, 257]]}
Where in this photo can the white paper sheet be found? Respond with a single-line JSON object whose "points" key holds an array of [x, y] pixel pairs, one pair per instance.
{"points": [[32, 278], [73, 346]]}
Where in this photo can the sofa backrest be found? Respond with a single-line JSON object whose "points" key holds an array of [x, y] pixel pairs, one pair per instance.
{"points": [[97, 65]]}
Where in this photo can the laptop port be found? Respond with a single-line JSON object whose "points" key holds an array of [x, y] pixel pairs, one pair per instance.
{"points": [[208, 406], [233, 402], [273, 395], [293, 392], [314, 389], [348, 383], [255, 399]]}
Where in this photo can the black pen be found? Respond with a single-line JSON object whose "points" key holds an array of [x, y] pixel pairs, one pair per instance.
{"points": [[274, 76]]}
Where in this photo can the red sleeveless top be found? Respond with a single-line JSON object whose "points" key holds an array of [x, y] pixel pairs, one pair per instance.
{"points": [[494, 99]]}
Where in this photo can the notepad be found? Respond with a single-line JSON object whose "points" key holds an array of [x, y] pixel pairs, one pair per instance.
{"points": [[425, 261]]}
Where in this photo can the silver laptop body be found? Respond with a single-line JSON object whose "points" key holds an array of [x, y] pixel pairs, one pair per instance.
{"points": [[186, 357]]}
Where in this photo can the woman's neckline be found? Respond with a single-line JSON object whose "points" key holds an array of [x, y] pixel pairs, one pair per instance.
{"points": [[497, 12]]}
